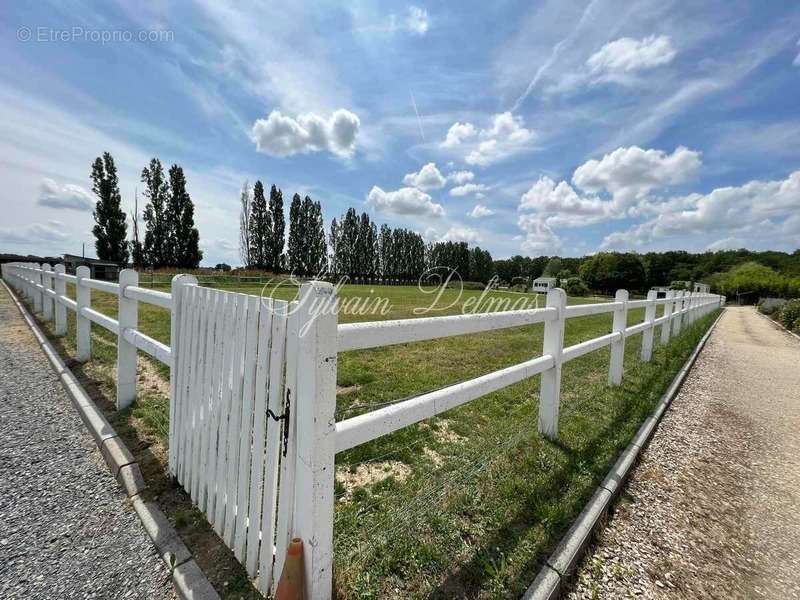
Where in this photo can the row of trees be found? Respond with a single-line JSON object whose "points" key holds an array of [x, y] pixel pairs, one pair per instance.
{"points": [[170, 239], [262, 228]]}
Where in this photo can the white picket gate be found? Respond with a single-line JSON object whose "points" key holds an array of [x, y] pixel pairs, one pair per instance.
{"points": [[230, 428]]}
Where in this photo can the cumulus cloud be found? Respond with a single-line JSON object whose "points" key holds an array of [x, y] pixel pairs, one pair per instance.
{"points": [[755, 211], [480, 211], [539, 237], [560, 204], [461, 234], [427, 178], [467, 189], [458, 133], [67, 196], [505, 136], [407, 201], [630, 173], [282, 135], [460, 177], [627, 55]]}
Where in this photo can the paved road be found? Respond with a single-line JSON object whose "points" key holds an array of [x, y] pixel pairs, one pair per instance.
{"points": [[713, 508], [66, 529]]}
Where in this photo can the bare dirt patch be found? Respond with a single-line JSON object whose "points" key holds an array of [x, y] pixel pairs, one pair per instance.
{"points": [[369, 474]]}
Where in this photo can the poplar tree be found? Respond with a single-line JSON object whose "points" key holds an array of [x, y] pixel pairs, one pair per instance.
{"points": [[110, 229], [157, 231], [260, 230], [316, 250], [277, 237], [184, 239], [296, 236]]}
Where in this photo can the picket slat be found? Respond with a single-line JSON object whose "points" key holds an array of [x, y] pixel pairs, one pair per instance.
{"points": [[216, 391], [205, 398], [287, 466], [186, 339], [235, 422], [259, 435], [224, 403], [273, 438], [245, 438]]}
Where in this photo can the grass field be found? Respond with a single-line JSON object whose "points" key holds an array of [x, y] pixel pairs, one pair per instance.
{"points": [[467, 504]]}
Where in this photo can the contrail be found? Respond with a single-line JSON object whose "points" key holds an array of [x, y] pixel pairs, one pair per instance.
{"points": [[553, 56], [419, 121]]}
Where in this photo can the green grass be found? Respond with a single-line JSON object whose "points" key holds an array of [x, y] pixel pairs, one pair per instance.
{"points": [[470, 503]]}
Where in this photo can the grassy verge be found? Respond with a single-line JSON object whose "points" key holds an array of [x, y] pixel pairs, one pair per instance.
{"points": [[467, 504]]}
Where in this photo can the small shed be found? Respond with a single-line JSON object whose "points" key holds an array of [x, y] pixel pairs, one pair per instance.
{"points": [[703, 288], [99, 269], [542, 285]]}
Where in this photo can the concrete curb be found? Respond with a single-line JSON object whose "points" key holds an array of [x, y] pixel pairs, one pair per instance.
{"points": [[189, 580], [780, 325], [570, 550]]}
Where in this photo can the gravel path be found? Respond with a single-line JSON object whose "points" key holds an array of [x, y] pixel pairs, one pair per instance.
{"points": [[711, 511], [66, 528]]}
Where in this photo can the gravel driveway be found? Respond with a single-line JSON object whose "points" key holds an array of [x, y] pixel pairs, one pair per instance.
{"points": [[66, 528], [713, 508]]}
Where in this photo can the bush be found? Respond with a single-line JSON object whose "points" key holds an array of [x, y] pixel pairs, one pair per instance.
{"points": [[789, 315], [770, 306], [576, 287]]}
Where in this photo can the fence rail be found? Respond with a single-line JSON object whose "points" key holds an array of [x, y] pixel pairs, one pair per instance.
{"points": [[246, 373]]}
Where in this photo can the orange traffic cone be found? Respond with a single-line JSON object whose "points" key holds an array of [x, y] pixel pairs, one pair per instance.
{"points": [[290, 585]]}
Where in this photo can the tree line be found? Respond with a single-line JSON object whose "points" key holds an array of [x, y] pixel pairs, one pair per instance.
{"points": [[170, 238]]}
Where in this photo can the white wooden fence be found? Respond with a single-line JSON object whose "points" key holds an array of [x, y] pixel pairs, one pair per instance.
{"points": [[253, 433]]}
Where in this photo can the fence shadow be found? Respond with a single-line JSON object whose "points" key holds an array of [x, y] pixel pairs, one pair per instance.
{"points": [[469, 578]]}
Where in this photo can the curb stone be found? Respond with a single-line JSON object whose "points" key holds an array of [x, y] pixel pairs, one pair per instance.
{"points": [[570, 549], [188, 579]]}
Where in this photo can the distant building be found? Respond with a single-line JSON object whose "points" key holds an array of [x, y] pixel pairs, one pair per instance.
{"points": [[542, 285], [703, 288], [660, 290], [99, 269]]}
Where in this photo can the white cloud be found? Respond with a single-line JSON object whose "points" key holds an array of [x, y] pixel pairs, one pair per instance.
{"points": [[540, 239], [280, 135], [460, 177], [628, 174], [505, 136], [754, 212], [467, 189], [407, 201], [627, 55], [461, 234], [427, 178], [67, 196], [480, 211], [417, 20], [458, 133], [51, 231], [560, 204]]}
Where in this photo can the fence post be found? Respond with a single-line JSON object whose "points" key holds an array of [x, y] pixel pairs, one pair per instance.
{"points": [[37, 292], [128, 316], [553, 344], [666, 326], [83, 298], [316, 422], [678, 320], [649, 317], [178, 281], [47, 301], [61, 290], [618, 346]]}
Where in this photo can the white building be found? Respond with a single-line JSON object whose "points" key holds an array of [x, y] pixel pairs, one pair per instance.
{"points": [[542, 285], [703, 288]]}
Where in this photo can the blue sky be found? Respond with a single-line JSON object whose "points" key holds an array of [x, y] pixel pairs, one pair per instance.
{"points": [[524, 127]]}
